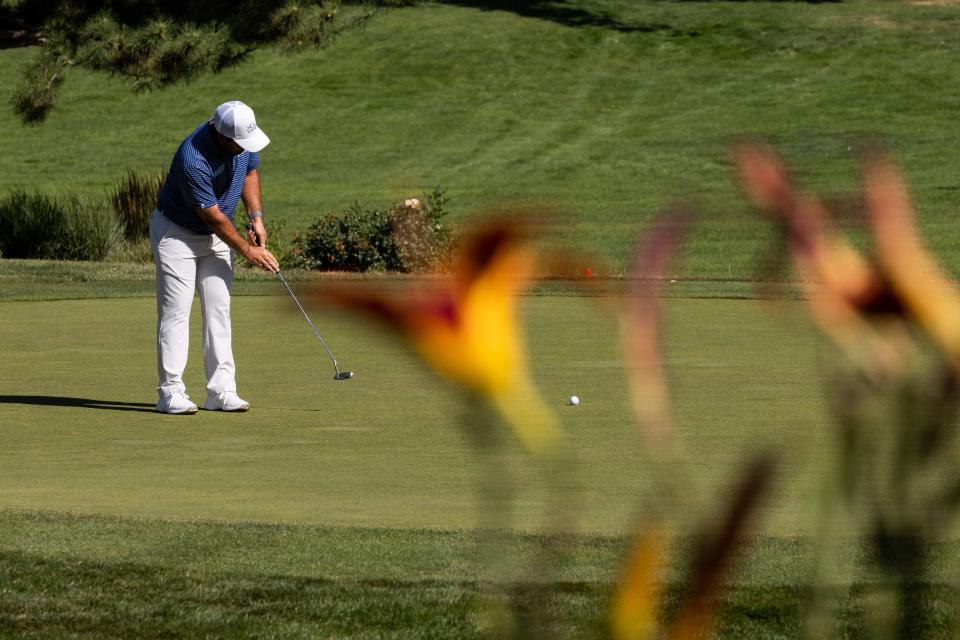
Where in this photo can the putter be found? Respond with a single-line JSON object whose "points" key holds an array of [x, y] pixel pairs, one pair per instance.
{"points": [[340, 375]]}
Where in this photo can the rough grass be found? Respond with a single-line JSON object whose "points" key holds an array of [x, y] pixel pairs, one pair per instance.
{"points": [[99, 577]]}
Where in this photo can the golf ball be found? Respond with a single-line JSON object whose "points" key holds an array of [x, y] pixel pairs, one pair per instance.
{"points": [[574, 400]]}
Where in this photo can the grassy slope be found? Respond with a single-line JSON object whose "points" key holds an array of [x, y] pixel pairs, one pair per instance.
{"points": [[606, 123]]}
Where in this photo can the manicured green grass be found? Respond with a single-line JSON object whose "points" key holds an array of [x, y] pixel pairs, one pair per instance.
{"points": [[384, 449], [334, 463], [607, 121], [350, 509], [58, 280]]}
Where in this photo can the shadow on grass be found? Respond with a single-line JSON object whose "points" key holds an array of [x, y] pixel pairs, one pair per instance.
{"points": [[83, 403], [555, 11], [561, 12]]}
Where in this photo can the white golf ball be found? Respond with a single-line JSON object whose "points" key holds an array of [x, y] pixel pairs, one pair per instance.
{"points": [[574, 400]]}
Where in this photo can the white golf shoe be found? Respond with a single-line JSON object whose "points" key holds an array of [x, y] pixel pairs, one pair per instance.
{"points": [[226, 401], [176, 402]]}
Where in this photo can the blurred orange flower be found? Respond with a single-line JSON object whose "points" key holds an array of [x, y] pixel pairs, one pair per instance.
{"points": [[635, 605], [863, 305], [641, 333], [467, 327]]}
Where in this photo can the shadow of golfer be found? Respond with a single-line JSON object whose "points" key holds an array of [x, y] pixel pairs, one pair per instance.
{"points": [[84, 403]]}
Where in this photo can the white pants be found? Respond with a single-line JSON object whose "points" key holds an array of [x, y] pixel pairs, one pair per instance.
{"points": [[186, 262]]}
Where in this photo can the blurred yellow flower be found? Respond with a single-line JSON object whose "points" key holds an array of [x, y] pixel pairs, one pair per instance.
{"points": [[634, 609], [914, 276], [467, 327], [635, 606]]}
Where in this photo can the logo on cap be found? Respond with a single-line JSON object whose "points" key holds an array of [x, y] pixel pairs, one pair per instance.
{"points": [[251, 127]]}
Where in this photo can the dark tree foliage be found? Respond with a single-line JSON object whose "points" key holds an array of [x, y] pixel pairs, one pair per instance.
{"points": [[156, 43]]}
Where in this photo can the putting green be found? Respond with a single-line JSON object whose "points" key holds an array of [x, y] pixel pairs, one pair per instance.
{"points": [[385, 449]]}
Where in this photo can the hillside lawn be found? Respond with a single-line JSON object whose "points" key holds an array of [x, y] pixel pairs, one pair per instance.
{"points": [[350, 510], [606, 110]]}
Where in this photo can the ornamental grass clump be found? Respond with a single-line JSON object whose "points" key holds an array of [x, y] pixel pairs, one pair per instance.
{"points": [[134, 200], [37, 226]]}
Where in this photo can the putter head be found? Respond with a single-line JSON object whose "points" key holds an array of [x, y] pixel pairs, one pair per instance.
{"points": [[343, 375]]}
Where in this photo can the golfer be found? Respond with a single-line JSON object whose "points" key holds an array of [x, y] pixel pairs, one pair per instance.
{"points": [[194, 240]]}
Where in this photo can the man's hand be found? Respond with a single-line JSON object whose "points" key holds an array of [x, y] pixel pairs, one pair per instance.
{"points": [[223, 227], [257, 233], [261, 257]]}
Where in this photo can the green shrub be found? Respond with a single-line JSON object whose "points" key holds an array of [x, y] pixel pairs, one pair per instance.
{"points": [[154, 55], [355, 240], [301, 25], [36, 94], [400, 237], [39, 227], [134, 200]]}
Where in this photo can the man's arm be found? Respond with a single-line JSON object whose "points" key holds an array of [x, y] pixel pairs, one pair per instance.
{"points": [[223, 227], [251, 200]]}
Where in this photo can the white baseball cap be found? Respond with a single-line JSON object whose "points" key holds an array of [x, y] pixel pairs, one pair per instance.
{"points": [[235, 120]]}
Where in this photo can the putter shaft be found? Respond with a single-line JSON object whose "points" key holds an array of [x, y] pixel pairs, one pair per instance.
{"points": [[310, 322]]}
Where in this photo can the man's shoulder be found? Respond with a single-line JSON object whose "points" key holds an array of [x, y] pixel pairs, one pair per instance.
{"points": [[191, 154], [195, 143]]}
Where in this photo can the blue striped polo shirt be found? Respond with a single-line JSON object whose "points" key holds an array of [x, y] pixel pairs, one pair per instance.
{"points": [[202, 175]]}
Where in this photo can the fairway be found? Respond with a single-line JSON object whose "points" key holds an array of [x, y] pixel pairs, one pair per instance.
{"points": [[384, 449]]}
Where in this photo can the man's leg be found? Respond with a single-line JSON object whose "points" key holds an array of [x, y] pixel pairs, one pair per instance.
{"points": [[214, 280], [176, 262]]}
